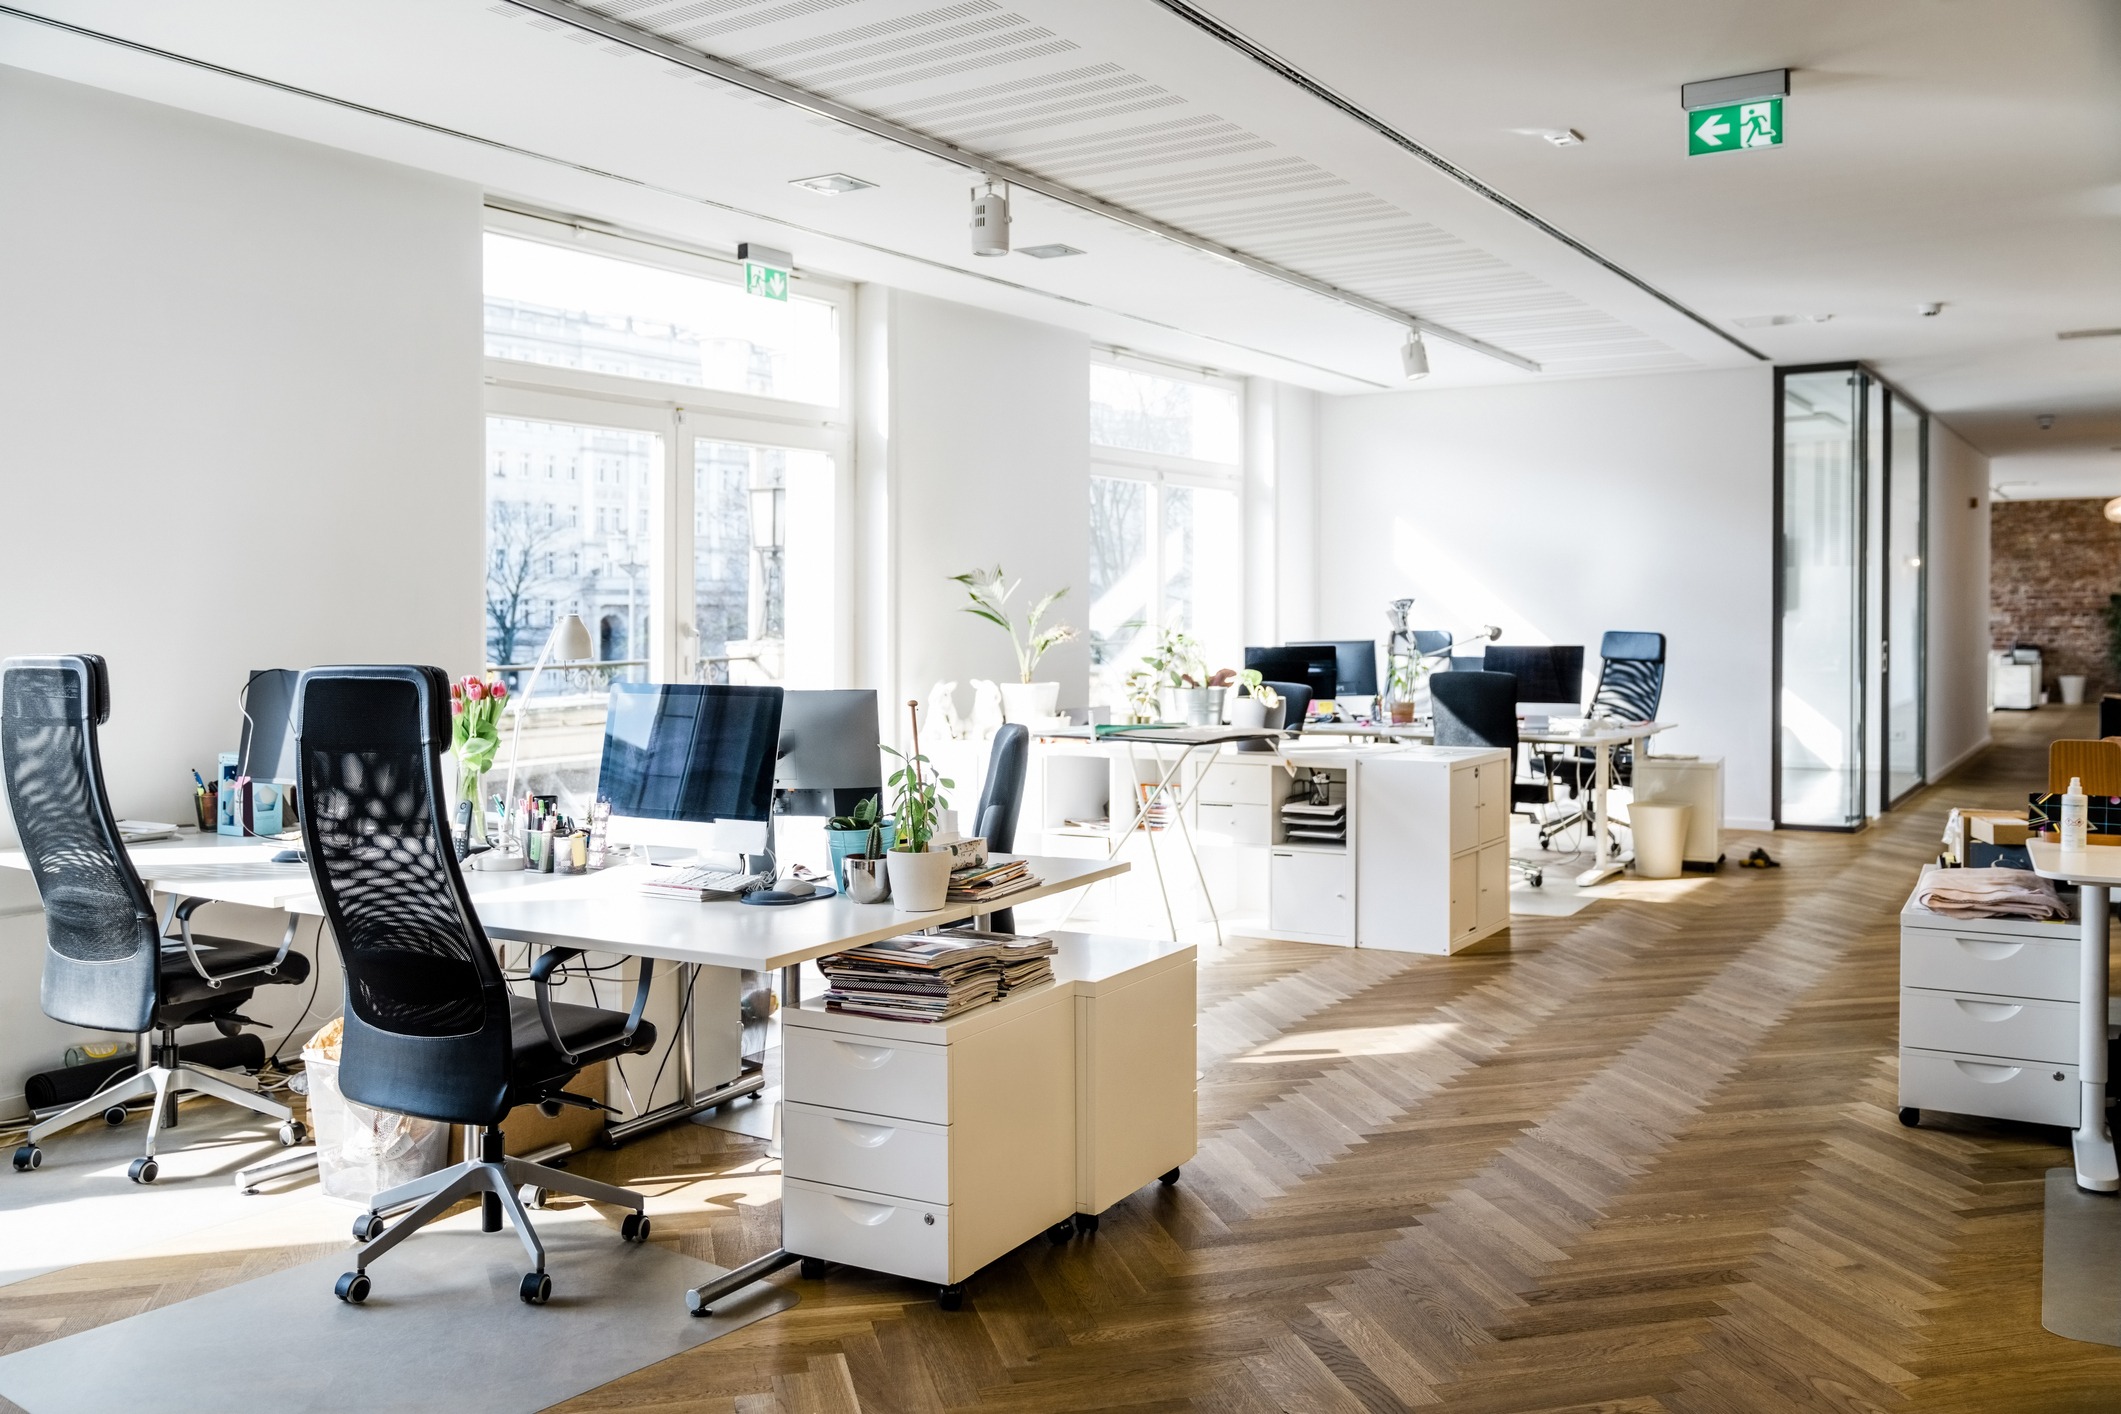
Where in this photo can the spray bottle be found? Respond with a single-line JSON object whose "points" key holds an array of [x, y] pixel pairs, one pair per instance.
{"points": [[2075, 809]]}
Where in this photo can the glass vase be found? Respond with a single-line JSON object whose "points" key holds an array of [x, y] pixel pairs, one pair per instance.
{"points": [[471, 786]]}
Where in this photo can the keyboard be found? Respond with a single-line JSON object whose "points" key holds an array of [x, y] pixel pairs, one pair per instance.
{"points": [[699, 881]]}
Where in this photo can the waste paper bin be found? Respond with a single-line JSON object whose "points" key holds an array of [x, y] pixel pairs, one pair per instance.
{"points": [[1660, 838], [2072, 689], [360, 1151]]}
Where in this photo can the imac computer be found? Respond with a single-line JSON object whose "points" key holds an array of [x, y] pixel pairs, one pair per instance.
{"points": [[1355, 666], [830, 760], [267, 752], [690, 765], [1312, 665], [1549, 676]]}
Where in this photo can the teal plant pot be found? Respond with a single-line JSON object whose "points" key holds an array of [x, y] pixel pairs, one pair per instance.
{"points": [[852, 842]]}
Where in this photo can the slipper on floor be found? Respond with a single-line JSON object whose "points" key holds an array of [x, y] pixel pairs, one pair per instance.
{"points": [[1759, 859]]}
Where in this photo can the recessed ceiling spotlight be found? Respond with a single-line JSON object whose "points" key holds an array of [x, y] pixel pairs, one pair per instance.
{"points": [[1559, 137], [1053, 251], [1414, 358], [832, 184]]}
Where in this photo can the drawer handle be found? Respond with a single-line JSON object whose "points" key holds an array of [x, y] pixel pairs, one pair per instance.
{"points": [[868, 1136], [1988, 1011], [856, 1211], [1989, 1074], [1988, 950], [867, 1057]]}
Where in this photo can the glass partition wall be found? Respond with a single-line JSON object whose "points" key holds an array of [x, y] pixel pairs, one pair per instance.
{"points": [[1850, 596]]}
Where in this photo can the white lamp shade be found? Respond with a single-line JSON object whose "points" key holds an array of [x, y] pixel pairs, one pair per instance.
{"points": [[570, 640], [2113, 509], [1414, 358]]}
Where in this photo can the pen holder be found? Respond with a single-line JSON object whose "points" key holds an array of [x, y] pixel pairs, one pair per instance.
{"points": [[208, 811]]}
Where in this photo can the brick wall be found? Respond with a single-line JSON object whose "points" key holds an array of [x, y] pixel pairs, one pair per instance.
{"points": [[2052, 565]]}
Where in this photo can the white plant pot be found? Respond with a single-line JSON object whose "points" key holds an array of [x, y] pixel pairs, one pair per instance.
{"points": [[920, 883], [1029, 702], [1247, 712]]}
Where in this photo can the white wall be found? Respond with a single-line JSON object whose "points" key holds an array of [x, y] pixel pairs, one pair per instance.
{"points": [[984, 451], [239, 427], [1281, 511], [1958, 636], [1560, 510]]}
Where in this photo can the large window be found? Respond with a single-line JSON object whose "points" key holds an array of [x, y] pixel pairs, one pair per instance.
{"points": [[637, 475], [1166, 545]]}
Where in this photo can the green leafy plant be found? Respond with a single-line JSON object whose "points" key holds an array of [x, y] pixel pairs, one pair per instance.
{"points": [[918, 799], [1141, 688], [863, 817], [990, 591], [1254, 683], [1176, 660]]}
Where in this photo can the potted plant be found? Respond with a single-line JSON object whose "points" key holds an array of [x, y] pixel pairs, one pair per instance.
{"points": [[475, 707], [1023, 700], [1405, 676], [1141, 686], [920, 880], [1255, 700], [863, 834], [1181, 676]]}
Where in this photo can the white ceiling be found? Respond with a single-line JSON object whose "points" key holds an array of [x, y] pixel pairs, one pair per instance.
{"points": [[1963, 151]]}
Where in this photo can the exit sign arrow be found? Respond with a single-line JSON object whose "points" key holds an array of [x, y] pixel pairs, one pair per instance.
{"points": [[1733, 127], [1713, 130]]}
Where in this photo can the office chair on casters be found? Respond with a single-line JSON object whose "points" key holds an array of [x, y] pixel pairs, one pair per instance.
{"points": [[1480, 709], [108, 964], [1630, 689], [431, 1027]]}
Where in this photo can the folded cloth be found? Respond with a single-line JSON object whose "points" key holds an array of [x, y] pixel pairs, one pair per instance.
{"points": [[1989, 893]]}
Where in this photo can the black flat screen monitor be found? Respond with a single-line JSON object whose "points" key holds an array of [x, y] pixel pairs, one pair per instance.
{"points": [[1312, 665], [267, 752], [829, 760], [1546, 673], [1355, 673], [690, 751]]}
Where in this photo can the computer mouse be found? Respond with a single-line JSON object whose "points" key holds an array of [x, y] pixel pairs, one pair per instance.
{"points": [[796, 888], [290, 856]]}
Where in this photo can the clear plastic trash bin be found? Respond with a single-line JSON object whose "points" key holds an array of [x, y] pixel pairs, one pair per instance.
{"points": [[1660, 838], [361, 1151]]}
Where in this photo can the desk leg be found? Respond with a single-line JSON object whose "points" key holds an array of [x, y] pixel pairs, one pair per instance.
{"points": [[2093, 1141], [1604, 866]]}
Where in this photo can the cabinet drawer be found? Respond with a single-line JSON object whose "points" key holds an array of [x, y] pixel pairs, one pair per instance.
{"points": [[870, 1152], [1234, 824], [860, 1073], [902, 1237], [2003, 966], [1224, 783], [2014, 1027], [2036, 1092], [1310, 892]]}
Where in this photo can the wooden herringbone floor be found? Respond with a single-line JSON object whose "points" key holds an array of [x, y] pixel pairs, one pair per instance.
{"points": [[1641, 1159]]}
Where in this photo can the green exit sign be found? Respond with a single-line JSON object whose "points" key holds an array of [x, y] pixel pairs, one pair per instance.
{"points": [[1757, 123], [765, 281]]}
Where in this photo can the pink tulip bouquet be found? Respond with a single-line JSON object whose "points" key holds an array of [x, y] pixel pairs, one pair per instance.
{"points": [[475, 708]]}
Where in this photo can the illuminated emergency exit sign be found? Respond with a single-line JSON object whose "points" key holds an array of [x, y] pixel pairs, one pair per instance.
{"points": [[1735, 113]]}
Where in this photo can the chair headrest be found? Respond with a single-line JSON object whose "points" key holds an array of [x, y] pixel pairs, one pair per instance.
{"points": [[430, 683], [1633, 644], [90, 668]]}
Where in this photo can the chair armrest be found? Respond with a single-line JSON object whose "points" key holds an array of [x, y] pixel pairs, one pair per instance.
{"points": [[541, 973], [181, 916]]}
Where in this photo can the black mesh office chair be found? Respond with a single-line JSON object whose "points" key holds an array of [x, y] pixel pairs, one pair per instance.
{"points": [[1630, 689], [1295, 706], [431, 1027], [108, 964], [1480, 709]]}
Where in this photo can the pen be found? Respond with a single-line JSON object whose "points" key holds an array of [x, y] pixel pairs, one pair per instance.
{"points": [[199, 778]]}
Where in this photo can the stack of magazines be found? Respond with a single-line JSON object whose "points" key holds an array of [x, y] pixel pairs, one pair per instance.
{"points": [[993, 880], [1315, 824], [934, 976]]}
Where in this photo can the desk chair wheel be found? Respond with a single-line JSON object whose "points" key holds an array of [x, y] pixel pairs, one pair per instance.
{"points": [[115, 1115], [352, 1288], [367, 1227], [1060, 1232], [1910, 1116], [1535, 878], [534, 1196], [950, 1297], [144, 1171], [634, 1227], [536, 1289], [1086, 1223], [28, 1157], [293, 1132], [813, 1269], [1168, 1179]]}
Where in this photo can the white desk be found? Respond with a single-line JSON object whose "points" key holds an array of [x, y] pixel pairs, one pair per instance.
{"points": [[2096, 871], [1601, 737]]}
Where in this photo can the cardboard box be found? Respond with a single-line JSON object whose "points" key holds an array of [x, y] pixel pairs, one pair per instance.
{"points": [[2002, 827]]}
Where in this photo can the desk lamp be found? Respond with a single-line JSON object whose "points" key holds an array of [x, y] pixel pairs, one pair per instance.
{"points": [[567, 643]]}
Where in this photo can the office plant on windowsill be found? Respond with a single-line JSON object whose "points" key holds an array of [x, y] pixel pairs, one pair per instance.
{"points": [[1024, 700], [920, 880]]}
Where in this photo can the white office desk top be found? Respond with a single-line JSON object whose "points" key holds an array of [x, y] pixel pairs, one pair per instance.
{"points": [[1164, 736], [1603, 734], [604, 910], [2094, 864]]}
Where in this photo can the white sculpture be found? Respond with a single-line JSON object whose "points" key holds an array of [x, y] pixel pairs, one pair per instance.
{"points": [[939, 719], [987, 714]]}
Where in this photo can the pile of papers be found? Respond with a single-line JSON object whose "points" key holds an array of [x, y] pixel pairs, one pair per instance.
{"points": [[1989, 893], [1317, 824], [985, 882], [934, 976]]}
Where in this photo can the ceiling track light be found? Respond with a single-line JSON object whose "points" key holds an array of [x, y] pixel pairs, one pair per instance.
{"points": [[1414, 358], [990, 220]]}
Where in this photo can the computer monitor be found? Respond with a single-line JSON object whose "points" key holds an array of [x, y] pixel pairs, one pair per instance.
{"points": [[1314, 665], [684, 761], [1549, 676], [1355, 670], [829, 757], [267, 750]]}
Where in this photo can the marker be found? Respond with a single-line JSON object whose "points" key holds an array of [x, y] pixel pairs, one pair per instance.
{"points": [[199, 778]]}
